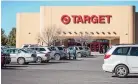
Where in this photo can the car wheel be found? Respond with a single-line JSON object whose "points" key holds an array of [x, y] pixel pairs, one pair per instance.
{"points": [[121, 71], [57, 57], [78, 54], [39, 60], [21, 61]]}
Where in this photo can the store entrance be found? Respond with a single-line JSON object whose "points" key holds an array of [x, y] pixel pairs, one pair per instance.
{"points": [[100, 45], [95, 45]]}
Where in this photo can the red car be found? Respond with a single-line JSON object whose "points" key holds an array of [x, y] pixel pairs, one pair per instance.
{"points": [[5, 59]]}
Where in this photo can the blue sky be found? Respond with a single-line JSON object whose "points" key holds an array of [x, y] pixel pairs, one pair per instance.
{"points": [[10, 8]]}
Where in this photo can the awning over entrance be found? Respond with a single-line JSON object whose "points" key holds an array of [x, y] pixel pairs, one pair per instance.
{"points": [[112, 39], [91, 37], [71, 33]]}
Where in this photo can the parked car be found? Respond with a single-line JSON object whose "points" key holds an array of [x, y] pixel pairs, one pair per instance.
{"points": [[41, 57], [3, 47], [30, 45], [45, 50], [20, 56], [58, 52], [86, 51], [79, 51], [5, 58], [121, 60]]}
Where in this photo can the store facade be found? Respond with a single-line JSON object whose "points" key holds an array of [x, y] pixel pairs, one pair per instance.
{"points": [[113, 23]]}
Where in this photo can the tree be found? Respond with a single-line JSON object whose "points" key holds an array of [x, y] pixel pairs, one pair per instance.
{"points": [[12, 37], [83, 38], [49, 35], [4, 38]]}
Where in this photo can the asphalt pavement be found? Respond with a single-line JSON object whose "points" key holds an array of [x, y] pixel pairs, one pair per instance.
{"points": [[80, 71]]}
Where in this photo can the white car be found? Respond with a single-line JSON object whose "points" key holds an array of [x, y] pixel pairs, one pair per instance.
{"points": [[30, 45], [41, 49], [121, 60], [41, 57], [45, 50], [20, 56]]}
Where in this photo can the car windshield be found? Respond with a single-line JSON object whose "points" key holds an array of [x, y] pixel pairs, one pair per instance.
{"points": [[25, 46], [42, 49], [80, 48], [49, 49], [4, 51], [60, 48], [52, 48], [31, 51], [24, 51]]}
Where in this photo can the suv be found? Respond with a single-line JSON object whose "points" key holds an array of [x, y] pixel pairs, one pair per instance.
{"points": [[81, 51], [46, 50], [41, 57], [121, 60], [86, 51], [58, 52]]}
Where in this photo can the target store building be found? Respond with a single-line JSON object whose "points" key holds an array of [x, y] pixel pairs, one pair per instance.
{"points": [[114, 23]]}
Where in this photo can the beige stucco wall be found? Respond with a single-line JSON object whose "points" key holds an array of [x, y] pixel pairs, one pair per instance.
{"points": [[115, 41], [27, 23], [122, 22]]}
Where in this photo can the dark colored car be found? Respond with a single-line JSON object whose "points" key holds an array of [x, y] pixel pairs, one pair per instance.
{"points": [[5, 58]]}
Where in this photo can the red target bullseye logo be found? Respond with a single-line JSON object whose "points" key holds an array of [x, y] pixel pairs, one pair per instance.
{"points": [[65, 19]]}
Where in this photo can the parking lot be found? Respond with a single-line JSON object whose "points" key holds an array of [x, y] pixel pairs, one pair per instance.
{"points": [[81, 71]]}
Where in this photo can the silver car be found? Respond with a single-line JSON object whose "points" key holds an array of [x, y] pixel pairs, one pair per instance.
{"points": [[78, 51], [41, 57], [58, 52], [20, 56], [86, 51]]}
